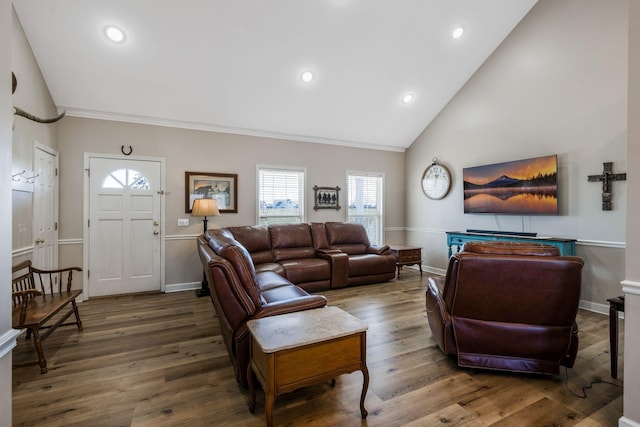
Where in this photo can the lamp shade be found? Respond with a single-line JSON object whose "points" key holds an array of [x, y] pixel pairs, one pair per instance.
{"points": [[205, 207]]}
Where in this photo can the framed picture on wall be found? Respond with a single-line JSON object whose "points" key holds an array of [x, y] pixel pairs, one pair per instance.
{"points": [[223, 187], [326, 197]]}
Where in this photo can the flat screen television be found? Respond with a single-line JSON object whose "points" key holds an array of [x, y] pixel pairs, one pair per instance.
{"points": [[520, 187]]}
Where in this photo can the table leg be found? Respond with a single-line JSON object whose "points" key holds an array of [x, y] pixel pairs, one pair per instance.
{"points": [[365, 387], [252, 389], [365, 373], [613, 339], [269, 400]]}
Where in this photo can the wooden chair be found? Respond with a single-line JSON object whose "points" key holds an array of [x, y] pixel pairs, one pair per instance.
{"points": [[33, 308]]}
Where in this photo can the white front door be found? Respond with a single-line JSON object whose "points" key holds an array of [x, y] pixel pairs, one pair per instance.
{"points": [[45, 208], [124, 226]]}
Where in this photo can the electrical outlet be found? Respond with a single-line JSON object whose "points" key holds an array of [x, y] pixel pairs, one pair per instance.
{"points": [[183, 222]]}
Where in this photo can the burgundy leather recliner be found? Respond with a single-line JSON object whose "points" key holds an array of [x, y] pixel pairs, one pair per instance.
{"points": [[507, 306]]}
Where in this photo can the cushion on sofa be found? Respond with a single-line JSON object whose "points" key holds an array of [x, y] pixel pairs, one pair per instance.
{"points": [[257, 240], [319, 235], [510, 248], [349, 238], [302, 270], [291, 241], [270, 266], [240, 259], [274, 287], [368, 264], [269, 280]]}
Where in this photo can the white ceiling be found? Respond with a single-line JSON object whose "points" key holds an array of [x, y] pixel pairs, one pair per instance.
{"points": [[234, 66]]}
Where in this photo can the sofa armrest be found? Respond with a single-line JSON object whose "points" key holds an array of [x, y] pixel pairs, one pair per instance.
{"points": [[378, 249], [323, 253], [435, 286], [339, 266], [290, 305], [438, 316]]}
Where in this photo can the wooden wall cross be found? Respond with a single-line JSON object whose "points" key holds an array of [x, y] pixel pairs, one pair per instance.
{"points": [[607, 179]]}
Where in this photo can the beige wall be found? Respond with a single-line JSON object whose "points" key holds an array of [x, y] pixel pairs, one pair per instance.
{"points": [[556, 85], [16, 154], [632, 273], [32, 95], [6, 341], [199, 151]]}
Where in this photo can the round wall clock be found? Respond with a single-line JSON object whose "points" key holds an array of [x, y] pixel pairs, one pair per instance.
{"points": [[436, 181]]}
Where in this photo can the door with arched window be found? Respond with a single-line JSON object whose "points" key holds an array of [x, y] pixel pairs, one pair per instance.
{"points": [[124, 226]]}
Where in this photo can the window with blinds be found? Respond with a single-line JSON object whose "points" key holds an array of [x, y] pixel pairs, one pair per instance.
{"points": [[364, 193], [280, 195]]}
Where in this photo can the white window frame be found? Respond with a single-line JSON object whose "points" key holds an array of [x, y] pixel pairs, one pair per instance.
{"points": [[302, 193], [379, 203]]}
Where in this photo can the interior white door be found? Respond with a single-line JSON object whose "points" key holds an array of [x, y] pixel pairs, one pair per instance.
{"points": [[45, 208], [124, 226]]}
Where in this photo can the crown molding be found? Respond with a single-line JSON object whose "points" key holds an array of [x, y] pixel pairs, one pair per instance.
{"points": [[208, 127]]}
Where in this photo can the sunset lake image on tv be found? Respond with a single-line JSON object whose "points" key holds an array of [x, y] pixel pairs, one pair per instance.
{"points": [[521, 187]]}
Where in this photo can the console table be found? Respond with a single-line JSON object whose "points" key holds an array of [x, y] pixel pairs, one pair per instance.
{"points": [[298, 349], [458, 238]]}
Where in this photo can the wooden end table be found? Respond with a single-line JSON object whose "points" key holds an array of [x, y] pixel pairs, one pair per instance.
{"points": [[407, 255], [294, 350]]}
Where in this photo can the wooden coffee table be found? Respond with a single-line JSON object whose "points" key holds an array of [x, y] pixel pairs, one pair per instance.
{"points": [[294, 350]]}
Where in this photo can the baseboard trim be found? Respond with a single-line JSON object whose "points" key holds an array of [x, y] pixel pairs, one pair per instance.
{"points": [[626, 422], [179, 287], [433, 270], [597, 308]]}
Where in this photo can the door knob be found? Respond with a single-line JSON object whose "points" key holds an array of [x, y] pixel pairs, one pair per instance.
{"points": [[156, 232], [155, 223], [39, 240]]}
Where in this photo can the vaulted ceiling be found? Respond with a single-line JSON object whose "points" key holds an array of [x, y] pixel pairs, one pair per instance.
{"points": [[236, 65]]}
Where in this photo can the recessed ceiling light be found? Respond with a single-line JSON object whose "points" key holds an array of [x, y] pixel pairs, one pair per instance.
{"points": [[457, 33], [306, 76], [114, 34], [407, 98]]}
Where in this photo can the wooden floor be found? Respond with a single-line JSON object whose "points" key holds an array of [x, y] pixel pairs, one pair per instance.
{"points": [[159, 360]]}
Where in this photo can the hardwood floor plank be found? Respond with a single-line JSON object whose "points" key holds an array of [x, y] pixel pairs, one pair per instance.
{"points": [[544, 412], [451, 416], [159, 360]]}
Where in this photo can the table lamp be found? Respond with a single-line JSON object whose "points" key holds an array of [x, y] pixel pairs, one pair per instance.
{"points": [[204, 208]]}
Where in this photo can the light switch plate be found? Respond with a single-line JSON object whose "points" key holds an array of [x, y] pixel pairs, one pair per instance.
{"points": [[183, 222]]}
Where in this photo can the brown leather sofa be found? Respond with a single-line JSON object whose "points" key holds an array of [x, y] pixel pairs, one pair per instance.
{"points": [[239, 293], [508, 306], [316, 256], [258, 271]]}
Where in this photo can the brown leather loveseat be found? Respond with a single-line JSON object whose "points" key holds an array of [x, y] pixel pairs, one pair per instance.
{"points": [[508, 306]]}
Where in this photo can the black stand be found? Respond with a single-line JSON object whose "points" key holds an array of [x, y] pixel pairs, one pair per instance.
{"points": [[615, 305], [204, 290]]}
